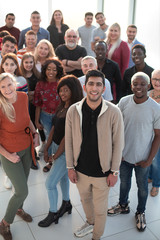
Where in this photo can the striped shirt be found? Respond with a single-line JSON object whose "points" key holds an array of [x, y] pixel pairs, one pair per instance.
{"points": [[22, 85], [21, 52]]}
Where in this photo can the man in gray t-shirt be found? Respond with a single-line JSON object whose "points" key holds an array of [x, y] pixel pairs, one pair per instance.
{"points": [[141, 117], [99, 33], [85, 32]]}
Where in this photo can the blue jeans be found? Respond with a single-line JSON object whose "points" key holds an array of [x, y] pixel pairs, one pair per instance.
{"points": [[154, 170], [58, 173], [125, 184], [46, 120]]}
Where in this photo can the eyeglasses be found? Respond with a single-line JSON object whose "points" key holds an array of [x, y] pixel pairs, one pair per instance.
{"points": [[70, 36], [156, 80]]}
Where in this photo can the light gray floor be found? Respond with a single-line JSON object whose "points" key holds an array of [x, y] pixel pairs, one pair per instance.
{"points": [[117, 228]]}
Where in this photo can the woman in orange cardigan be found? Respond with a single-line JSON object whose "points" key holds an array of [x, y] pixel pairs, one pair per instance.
{"points": [[18, 136]]}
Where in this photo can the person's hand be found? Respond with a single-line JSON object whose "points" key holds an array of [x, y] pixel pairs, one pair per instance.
{"points": [[46, 157], [36, 140], [143, 164], [39, 125], [111, 180], [72, 174], [13, 157], [97, 39]]}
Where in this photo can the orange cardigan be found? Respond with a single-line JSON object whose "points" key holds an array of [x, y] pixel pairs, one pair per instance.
{"points": [[12, 135]]}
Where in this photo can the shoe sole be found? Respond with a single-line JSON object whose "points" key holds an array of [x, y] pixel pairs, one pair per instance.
{"points": [[83, 235], [115, 214]]}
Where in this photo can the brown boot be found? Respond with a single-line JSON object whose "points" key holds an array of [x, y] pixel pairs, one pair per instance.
{"points": [[5, 231], [25, 216]]}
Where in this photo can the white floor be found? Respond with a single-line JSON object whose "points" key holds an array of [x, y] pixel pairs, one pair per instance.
{"points": [[117, 228]]}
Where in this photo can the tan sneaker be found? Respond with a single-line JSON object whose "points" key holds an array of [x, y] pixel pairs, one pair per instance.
{"points": [[5, 231]]}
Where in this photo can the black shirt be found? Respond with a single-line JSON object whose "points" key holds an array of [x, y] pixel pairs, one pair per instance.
{"points": [[32, 81], [58, 122], [88, 161], [62, 52], [112, 73], [126, 85], [55, 38]]}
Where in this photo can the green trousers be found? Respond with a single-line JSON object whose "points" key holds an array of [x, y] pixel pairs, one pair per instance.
{"points": [[18, 174]]}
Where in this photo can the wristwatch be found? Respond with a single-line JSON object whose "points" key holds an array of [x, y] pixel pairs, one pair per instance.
{"points": [[115, 173]]}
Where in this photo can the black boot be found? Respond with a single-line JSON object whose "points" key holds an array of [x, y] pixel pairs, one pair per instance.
{"points": [[65, 207], [52, 217]]}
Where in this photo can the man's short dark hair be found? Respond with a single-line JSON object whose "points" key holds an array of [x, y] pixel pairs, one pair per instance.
{"points": [[88, 14], [95, 73], [132, 26], [10, 39], [4, 33], [99, 13], [102, 42], [35, 12], [11, 14], [139, 46]]}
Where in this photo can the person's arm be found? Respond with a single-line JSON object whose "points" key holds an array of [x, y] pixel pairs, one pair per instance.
{"points": [[37, 118], [118, 83], [72, 174], [125, 85], [48, 144], [153, 151], [107, 95], [21, 40], [70, 65], [48, 35], [125, 55], [60, 149], [118, 144], [34, 134], [12, 157]]}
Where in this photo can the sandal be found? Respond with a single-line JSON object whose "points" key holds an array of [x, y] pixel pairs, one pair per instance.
{"points": [[154, 191], [47, 167]]}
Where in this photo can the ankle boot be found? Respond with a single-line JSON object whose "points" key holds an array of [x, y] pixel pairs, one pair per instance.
{"points": [[5, 231], [51, 217], [65, 207]]}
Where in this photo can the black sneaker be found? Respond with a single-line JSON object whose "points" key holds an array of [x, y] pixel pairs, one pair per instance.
{"points": [[118, 209], [140, 221]]}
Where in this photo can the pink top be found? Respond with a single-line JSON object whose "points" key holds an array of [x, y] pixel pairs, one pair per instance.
{"points": [[121, 56], [46, 96]]}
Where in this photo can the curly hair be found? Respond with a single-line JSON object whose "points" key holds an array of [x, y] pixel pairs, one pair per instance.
{"points": [[59, 66]]}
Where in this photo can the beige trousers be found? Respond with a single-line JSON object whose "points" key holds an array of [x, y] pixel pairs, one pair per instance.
{"points": [[94, 197]]}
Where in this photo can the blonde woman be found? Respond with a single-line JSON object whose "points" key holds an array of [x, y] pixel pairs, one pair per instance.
{"points": [[16, 144], [43, 51], [118, 50]]}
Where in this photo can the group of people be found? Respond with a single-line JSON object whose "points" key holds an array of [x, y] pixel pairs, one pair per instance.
{"points": [[65, 95]]}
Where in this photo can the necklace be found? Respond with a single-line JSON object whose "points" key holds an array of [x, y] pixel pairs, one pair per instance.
{"points": [[64, 109], [155, 97]]}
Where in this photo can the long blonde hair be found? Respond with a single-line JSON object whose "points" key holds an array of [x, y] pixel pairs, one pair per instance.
{"points": [[116, 44], [7, 107], [51, 52]]}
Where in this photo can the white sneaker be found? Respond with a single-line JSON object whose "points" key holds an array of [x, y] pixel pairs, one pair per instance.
{"points": [[7, 183], [41, 149], [84, 230]]}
